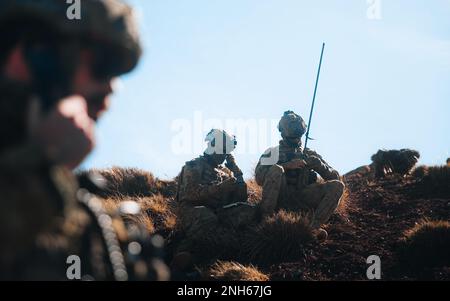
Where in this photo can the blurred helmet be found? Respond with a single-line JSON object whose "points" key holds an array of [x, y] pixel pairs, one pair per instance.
{"points": [[109, 23], [291, 125], [220, 142]]}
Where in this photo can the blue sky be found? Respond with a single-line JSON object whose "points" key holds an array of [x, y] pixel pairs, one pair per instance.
{"points": [[384, 82]]}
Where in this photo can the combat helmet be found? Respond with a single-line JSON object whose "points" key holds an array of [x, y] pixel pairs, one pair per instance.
{"points": [[220, 142], [291, 125], [109, 23]]}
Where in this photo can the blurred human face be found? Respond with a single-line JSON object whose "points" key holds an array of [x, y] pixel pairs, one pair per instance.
{"points": [[95, 90]]}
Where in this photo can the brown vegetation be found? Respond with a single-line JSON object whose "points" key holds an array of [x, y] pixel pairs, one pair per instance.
{"points": [[427, 245], [254, 191], [119, 182], [394, 161], [234, 271], [433, 180], [280, 237]]}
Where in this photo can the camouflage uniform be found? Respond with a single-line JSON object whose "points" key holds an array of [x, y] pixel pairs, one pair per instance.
{"points": [[298, 189], [207, 210], [45, 217], [42, 223]]}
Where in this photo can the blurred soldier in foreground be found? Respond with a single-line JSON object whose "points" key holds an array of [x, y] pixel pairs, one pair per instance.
{"points": [[212, 198], [288, 175], [55, 78]]}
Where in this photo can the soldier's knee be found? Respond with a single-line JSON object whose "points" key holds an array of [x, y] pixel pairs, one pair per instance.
{"points": [[336, 187], [199, 216]]}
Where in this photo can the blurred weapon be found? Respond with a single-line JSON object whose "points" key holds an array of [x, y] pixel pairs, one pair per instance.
{"points": [[141, 256]]}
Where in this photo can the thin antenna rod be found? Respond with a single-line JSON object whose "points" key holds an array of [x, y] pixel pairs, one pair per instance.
{"points": [[314, 97]]}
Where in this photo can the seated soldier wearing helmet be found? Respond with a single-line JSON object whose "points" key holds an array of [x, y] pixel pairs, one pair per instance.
{"points": [[288, 175], [212, 197]]}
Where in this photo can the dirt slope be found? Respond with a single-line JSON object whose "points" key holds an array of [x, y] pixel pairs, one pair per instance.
{"points": [[377, 215], [373, 220]]}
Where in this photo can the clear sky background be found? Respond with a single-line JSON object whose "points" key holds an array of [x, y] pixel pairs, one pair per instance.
{"points": [[385, 83]]}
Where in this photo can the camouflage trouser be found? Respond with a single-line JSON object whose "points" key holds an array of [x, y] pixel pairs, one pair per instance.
{"points": [[320, 198], [205, 227], [323, 199]]}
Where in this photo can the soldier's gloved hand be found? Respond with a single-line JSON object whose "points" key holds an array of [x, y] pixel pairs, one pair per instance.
{"points": [[294, 164], [228, 185], [66, 134], [313, 162]]}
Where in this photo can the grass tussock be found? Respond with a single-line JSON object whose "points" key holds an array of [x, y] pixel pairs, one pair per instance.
{"points": [[277, 238], [427, 245], [161, 211], [420, 171], [117, 182], [234, 271], [399, 162], [156, 215], [434, 179], [254, 192], [439, 175]]}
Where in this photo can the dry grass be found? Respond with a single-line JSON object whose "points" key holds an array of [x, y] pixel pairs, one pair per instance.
{"points": [[234, 271], [117, 182], [161, 211], [434, 179], [277, 238], [439, 175], [420, 171], [254, 192], [427, 245], [342, 209], [156, 216], [394, 161]]}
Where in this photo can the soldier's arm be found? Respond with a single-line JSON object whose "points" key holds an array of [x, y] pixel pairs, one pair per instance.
{"points": [[234, 168], [270, 157], [319, 165], [192, 191], [260, 173]]}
